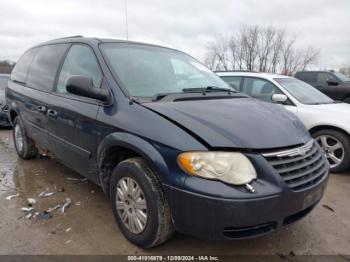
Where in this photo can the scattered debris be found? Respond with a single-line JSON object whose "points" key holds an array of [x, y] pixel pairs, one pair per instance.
{"points": [[46, 194], [329, 208], [78, 203], [27, 209], [43, 215], [29, 215], [53, 208], [31, 201], [78, 180], [292, 253], [68, 229], [61, 189], [68, 241], [37, 174], [92, 191], [12, 196], [65, 205]]}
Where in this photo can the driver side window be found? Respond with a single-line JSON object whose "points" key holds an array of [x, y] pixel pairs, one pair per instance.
{"points": [[80, 60], [259, 89], [322, 78]]}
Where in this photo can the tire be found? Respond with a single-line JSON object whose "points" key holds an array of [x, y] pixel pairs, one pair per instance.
{"points": [[347, 100], [333, 136], [27, 149], [158, 226]]}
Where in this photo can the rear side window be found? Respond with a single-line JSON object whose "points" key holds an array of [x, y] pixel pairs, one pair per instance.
{"points": [[44, 67], [80, 60], [19, 73], [310, 77], [233, 81]]}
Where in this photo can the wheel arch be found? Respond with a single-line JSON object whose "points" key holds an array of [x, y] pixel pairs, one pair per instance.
{"points": [[120, 146], [322, 127]]}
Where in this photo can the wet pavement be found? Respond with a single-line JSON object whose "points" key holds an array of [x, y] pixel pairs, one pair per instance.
{"points": [[88, 226]]}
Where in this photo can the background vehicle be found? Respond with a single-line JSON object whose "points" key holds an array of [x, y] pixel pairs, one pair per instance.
{"points": [[327, 120], [333, 84], [158, 131], [4, 122]]}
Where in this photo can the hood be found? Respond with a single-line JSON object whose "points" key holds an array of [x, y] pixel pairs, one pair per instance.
{"points": [[235, 123]]}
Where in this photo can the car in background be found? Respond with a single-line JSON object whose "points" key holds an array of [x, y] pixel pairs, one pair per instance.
{"points": [[334, 84], [4, 122], [326, 119]]}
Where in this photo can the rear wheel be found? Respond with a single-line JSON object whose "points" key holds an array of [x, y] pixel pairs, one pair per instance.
{"points": [[347, 100], [337, 148], [138, 203], [25, 147]]}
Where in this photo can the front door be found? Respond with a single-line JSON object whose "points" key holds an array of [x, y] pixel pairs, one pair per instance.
{"points": [[72, 119]]}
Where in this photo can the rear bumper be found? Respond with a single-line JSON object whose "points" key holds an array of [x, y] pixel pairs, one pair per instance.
{"points": [[218, 218]]}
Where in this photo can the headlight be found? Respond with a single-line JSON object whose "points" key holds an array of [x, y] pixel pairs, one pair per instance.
{"points": [[233, 168]]}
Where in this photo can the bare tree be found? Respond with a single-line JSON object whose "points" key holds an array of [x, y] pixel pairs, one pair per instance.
{"points": [[345, 70], [265, 49]]}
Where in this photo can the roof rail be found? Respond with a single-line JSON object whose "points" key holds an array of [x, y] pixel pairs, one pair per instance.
{"points": [[68, 37], [232, 71]]}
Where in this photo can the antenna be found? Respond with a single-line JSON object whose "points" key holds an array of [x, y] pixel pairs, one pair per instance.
{"points": [[126, 19]]}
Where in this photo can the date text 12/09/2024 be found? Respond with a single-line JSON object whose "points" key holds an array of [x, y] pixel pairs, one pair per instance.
{"points": [[173, 258]]}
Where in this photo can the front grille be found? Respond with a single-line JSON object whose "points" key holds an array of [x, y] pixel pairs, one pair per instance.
{"points": [[299, 167]]}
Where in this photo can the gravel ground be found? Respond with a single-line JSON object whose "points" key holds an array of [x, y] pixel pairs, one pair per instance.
{"points": [[88, 227]]}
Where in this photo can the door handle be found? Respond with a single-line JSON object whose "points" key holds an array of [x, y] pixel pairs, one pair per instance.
{"points": [[52, 113], [41, 108]]}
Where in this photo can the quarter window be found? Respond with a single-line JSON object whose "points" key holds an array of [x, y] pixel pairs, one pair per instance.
{"points": [[80, 60], [259, 88], [19, 73]]}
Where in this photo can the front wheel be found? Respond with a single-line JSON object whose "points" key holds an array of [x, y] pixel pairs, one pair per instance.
{"points": [[138, 203], [25, 147], [336, 146]]}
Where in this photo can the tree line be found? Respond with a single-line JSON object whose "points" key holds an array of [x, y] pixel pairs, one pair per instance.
{"points": [[255, 48]]}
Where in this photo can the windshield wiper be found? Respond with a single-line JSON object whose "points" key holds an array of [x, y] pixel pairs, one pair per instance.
{"points": [[208, 89]]}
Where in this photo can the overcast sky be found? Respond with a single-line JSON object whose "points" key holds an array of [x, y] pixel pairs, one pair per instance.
{"points": [[183, 24]]}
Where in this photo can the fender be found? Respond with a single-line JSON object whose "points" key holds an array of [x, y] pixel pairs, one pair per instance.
{"points": [[136, 144]]}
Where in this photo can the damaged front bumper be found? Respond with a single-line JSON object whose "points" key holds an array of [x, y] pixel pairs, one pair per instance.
{"points": [[214, 210]]}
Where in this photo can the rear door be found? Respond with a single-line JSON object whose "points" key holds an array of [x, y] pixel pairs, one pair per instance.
{"points": [[40, 83], [31, 83], [72, 119]]}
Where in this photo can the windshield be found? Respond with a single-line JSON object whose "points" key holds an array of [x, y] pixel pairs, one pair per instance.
{"points": [[303, 92], [3, 82], [148, 70], [342, 77]]}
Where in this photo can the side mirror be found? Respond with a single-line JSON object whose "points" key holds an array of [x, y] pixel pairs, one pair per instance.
{"points": [[83, 86], [332, 82], [279, 98]]}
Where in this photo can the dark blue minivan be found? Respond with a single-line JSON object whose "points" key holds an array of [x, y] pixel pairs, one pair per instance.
{"points": [[171, 144]]}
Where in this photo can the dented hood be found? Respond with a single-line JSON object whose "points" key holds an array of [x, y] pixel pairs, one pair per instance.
{"points": [[235, 123]]}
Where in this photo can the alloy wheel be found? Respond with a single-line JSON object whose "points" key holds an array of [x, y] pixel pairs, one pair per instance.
{"points": [[333, 148], [131, 205]]}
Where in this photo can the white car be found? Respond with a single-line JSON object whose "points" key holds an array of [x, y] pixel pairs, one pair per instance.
{"points": [[327, 120]]}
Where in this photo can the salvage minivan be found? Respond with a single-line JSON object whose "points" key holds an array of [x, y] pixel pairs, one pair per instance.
{"points": [[171, 144]]}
